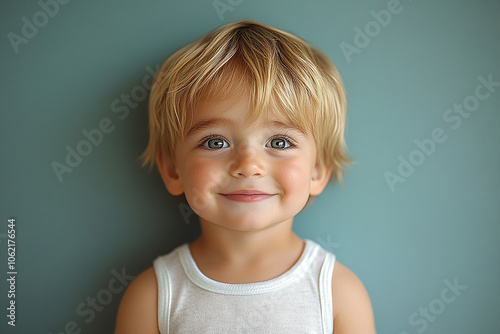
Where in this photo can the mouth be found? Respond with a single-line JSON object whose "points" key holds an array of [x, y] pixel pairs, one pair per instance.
{"points": [[246, 196]]}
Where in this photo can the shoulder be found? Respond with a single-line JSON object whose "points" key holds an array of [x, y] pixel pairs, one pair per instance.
{"points": [[352, 310], [138, 310]]}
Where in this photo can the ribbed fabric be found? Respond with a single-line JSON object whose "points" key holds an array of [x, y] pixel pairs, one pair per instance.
{"points": [[298, 301]]}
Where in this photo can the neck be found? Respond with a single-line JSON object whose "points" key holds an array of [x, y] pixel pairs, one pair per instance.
{"points": [[243, 248]]}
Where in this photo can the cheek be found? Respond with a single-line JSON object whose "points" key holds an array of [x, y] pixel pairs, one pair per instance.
{"points": [[295, 176], [202, 175], [198, 181]]}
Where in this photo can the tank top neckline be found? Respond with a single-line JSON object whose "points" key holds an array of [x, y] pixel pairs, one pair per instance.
{"points": [[198, 278]]}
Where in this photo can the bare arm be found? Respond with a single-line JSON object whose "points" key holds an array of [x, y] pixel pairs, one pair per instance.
{"points": [[138, 310], [352, 309]]}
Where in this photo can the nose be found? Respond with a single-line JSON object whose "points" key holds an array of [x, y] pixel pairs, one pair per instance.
{"points": [[247, 162]]}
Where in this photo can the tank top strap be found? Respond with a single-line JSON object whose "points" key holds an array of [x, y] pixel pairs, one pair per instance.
{"points": [[325, 292], [164, 294]]}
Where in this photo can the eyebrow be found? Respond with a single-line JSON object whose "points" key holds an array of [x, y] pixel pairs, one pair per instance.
{"points": [[207, 124], [221, 122]]}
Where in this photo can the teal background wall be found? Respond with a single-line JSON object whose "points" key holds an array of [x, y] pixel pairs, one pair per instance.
{"points": [[409, 235]]}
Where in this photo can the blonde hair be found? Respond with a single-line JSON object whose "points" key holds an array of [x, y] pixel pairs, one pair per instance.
{"points": [[279, 70]]}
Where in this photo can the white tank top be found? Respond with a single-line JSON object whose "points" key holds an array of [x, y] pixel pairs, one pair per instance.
{"points": [[298, 301]]}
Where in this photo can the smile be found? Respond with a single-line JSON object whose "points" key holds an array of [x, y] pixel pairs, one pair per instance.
{"points": [[246, 196]]}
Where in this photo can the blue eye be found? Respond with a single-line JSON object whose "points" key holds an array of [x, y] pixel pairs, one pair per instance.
{"points": [[280, 143], [215, 143]]}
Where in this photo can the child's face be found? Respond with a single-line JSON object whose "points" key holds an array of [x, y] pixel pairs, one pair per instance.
{"points": [[243, 176]]}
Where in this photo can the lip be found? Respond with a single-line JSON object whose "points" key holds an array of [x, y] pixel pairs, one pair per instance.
{"points": [[246, 195]]}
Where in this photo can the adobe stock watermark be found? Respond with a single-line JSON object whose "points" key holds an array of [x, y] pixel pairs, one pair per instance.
{"points": [[222, 6], [186, 212], [373, 28], [120, 108], [220, 180], [421, 318], [453, 117], [92, 305], [31, 26], [328, 244]]}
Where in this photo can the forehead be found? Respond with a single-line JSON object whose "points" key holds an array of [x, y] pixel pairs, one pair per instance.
{"points": [[236, 109]]}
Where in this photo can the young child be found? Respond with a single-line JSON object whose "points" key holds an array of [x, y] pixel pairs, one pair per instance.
{"points": [[248, 123]]}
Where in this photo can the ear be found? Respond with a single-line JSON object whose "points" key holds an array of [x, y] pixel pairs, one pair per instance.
{"points": [[169, 174], [319, 180]]}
